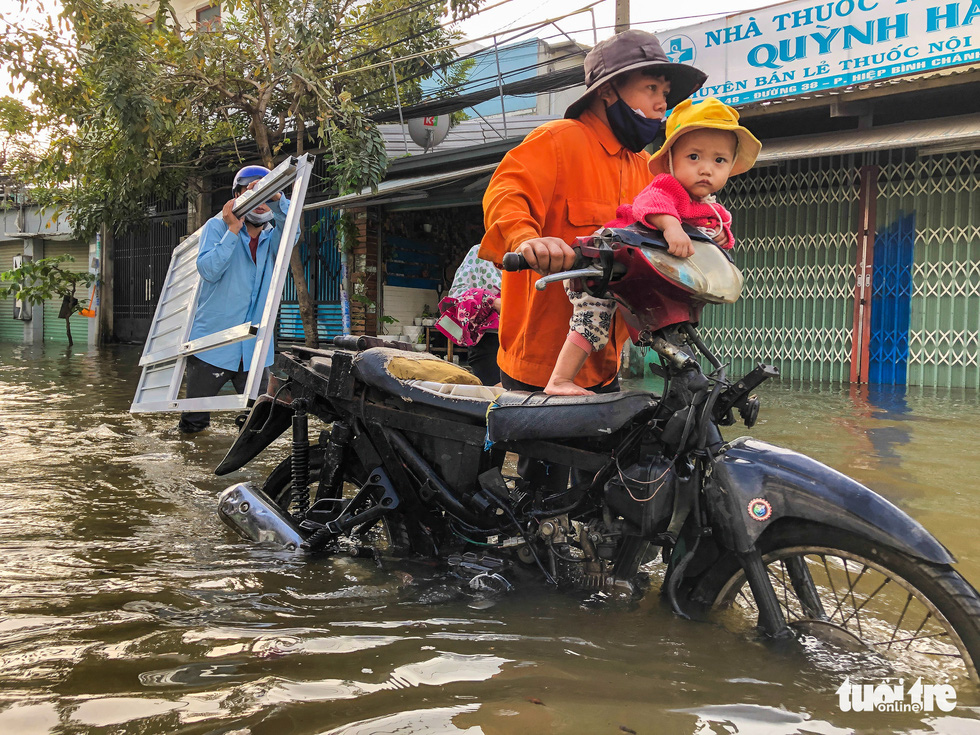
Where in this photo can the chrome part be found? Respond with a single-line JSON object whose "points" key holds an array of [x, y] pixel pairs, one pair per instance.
{"points": [[567, 275], [254, 516]]}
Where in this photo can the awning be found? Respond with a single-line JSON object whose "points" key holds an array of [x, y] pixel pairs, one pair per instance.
{"points": [[41, 235], [930, 136], [418, 187]]}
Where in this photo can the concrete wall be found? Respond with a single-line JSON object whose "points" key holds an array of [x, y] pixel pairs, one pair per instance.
{"points": [[404, 304]]}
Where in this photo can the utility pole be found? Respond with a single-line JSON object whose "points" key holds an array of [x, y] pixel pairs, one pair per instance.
{"points": [[622, 15]]}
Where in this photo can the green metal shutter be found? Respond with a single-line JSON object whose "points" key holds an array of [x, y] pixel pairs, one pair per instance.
{"points": [[943, 194], [54, 328], [796, 244], [11, 330]]}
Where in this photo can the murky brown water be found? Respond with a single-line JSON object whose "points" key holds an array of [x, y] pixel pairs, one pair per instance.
{"points": [[127, 607]]}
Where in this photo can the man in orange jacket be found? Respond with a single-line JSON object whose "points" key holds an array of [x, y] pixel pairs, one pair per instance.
{"points": [[565, 180]]}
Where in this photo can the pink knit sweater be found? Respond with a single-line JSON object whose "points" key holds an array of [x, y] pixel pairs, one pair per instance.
{"points": [[665, 195]]}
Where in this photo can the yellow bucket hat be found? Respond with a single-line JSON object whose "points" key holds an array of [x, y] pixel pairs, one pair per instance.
{"points": [[712, 114]]}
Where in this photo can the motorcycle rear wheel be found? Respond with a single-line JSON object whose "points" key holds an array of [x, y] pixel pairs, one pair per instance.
{"points": [[390, 535], [837, 587]]}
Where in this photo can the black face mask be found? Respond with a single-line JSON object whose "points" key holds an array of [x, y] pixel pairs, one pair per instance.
{"points": [[632, 130]]}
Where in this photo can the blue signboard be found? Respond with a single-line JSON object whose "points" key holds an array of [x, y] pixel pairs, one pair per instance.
{"points": [[799, 47]]}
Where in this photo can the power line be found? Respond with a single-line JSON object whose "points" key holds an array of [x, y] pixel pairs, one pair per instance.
{"points": [[457, 45]]}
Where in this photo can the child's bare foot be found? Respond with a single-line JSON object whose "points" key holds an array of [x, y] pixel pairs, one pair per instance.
{"points": [[565, 387]]}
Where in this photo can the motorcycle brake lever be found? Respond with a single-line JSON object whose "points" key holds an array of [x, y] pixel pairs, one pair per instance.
{"points": [[591, 272]]}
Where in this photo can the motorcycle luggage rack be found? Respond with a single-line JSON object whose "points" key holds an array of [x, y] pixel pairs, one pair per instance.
{"points": [[340, 384]]}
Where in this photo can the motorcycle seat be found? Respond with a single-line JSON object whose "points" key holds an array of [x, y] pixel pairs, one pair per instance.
{"points": [[510, 415], [522, 416], [425, 379]]}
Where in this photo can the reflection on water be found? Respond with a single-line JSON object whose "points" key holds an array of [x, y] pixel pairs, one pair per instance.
{"points": [[126, 606]]}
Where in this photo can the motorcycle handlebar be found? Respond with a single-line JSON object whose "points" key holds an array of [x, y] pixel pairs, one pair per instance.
{"points": [[514, 262], [517, 262]]}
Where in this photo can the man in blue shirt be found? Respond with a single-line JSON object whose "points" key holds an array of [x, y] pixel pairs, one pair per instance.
{"points": [[235, 261]]}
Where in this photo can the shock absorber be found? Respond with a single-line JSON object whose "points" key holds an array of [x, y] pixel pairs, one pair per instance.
{"points": [[332, 474], [300, 464]]}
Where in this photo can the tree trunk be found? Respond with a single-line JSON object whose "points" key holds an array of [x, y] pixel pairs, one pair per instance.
{"points": [[307, 313], [71, 310]]}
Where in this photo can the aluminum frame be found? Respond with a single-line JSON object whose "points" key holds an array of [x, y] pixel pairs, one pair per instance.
{"points": [[167, 346]]}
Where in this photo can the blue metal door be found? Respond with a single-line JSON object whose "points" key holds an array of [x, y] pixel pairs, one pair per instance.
{"points": [[322, 263], [891, 296]]}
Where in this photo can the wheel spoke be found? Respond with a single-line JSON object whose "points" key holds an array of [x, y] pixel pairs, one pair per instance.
{"points": [[898, 624], [876, 600], [870, 597], [850, 593], [919, 629], [786, 587], [833, 588], [914, 638]]}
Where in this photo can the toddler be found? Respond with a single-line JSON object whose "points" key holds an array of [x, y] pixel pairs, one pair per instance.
{"points": [[705, 145]]}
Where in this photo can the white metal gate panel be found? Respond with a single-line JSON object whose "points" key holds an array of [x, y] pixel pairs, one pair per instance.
{"points": [[167, 346]]}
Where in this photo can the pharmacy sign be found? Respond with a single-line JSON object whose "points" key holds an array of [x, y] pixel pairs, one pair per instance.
{"points": [[800, 47]]}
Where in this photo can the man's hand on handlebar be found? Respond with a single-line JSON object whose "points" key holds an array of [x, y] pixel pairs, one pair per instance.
{"points": [[545, 255]]}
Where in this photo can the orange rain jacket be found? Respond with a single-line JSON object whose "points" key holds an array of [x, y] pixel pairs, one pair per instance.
{"points": [[564, 180]]}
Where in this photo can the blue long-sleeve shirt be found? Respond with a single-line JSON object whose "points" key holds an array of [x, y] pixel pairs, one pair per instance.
{"points": [[234, 289]]}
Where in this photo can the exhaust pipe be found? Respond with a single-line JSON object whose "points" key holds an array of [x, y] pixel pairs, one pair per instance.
{"points": [[253, 515]]}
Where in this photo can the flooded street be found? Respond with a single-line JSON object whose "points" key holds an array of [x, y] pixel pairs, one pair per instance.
{"points": [[127, 607]]}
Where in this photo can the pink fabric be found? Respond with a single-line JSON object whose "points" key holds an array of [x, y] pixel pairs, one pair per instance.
{"points": [[579, 341], [473, 311], [665, 195]]}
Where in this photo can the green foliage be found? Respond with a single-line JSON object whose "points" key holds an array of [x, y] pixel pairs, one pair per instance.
{"points": [[346, 232], [37, 281], [109, 136], [129, 109]]}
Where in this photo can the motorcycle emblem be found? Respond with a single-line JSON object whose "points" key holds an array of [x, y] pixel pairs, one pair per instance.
{"points": [[760, 509]]}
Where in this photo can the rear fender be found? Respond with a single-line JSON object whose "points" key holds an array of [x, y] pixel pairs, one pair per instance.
{"points": [[267, 420], [756, 484]]}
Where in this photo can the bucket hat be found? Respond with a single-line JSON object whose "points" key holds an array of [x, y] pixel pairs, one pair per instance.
{"points": [[712, 114], [631, 50]]}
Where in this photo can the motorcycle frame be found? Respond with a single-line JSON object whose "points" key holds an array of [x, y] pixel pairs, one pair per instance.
{"points": [[717, 481]]}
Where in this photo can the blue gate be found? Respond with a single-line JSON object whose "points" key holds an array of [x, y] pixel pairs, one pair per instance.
{"points": [[891, 295], [322, 264]]}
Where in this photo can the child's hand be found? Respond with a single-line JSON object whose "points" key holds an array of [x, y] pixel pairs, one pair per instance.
{"points": [[678, 242], [721, 239], [565, 387]]}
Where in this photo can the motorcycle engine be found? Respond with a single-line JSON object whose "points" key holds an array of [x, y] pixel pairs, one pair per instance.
{"points": [[643, 494]]}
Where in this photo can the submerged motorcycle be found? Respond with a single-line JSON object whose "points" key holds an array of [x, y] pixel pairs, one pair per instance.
{"points": [[414, 462]]}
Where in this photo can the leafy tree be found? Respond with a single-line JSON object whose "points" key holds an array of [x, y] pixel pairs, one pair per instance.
{"points": [[275, 65], [16, 124], [129, 109], [109, 138], [36, 281]]}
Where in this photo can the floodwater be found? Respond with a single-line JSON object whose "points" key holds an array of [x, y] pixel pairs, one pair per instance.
{"points": [[127, 607]]}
